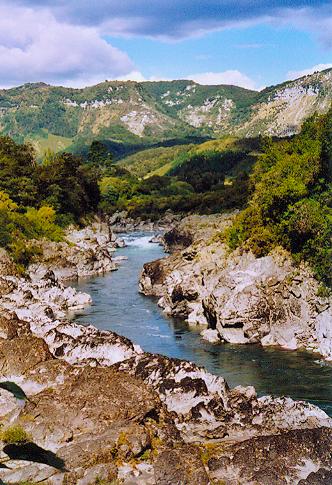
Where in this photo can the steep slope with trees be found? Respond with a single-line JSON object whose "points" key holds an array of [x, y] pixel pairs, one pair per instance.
{"points": [[130, 116]]}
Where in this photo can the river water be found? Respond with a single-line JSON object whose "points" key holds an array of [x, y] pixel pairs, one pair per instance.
{"points": [[118, 306]]}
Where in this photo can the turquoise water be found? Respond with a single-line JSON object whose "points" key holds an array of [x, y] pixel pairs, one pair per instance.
{"points": [[118, 306]]}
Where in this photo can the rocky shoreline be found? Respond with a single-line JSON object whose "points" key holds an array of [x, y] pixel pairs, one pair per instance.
{"points": [[121, 223], [86, 252], [101, 409], [235, 296]]}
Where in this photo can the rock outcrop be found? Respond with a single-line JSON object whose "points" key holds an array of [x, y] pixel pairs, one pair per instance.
{"points": [[99, 409], [286, 458], [239, 298], [43, 302], [121, 222], [148, 420], [85, 252], [43, 305]]}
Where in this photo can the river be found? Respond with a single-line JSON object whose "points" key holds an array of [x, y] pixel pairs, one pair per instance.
{"points": [[118, 306]]}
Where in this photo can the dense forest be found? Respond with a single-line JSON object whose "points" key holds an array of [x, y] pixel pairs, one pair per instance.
{"points": [[286, 199], [38, 200], [206, 178]]}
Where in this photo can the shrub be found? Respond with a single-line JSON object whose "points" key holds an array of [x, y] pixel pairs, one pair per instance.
{"points": [[43, 223], [17, 227], [14, 435]]}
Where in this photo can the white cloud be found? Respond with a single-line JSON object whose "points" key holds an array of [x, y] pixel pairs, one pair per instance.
{"points": [[132, 76], [310, 70], [316, 20], [178, 19], [233, 77], [40, 48]]}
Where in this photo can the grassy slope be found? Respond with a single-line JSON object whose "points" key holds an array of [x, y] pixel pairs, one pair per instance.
{"points": [[162, 160], [154, 161], [51, 142]]}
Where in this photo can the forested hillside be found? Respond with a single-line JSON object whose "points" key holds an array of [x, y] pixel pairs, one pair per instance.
{"points": [[282, 185], [130, 116], [291, 198], [288, 194]]}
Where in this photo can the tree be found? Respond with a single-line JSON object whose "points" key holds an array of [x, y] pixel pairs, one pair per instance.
{"points": [[17, 171], [100, 156], [291, 199], [68, 185]]}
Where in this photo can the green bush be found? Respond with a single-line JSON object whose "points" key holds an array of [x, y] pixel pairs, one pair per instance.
{"points": [[14, 435], [43, 223], [18, 228]]}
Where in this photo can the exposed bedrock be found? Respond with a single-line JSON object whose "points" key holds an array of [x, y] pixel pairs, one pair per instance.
{"points": [[100, 409], [237, 297], [42, 301], [87, 420], [121, 222], [85, 252], [151, 420]]}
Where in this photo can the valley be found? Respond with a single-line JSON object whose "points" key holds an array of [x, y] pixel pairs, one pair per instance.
{"points": [[165, 242], [115, 366]]}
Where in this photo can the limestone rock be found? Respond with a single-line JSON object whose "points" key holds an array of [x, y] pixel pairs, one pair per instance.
{"points": [[182, 465], [39, 307], [205, 408], [244, 299], [108, 411], [85, 252], [93, 416], [287, 458], [121, 223], [7, 267]]}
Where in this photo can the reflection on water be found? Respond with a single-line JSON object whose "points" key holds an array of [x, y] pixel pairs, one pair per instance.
{"points": [[118, 306]]}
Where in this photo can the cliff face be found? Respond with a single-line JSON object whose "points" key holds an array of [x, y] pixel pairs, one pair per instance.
{"points": [[99, 408], [239, 298], [281, 109], [135, 113]]}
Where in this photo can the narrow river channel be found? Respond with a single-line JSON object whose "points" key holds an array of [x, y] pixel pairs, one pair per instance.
{"points": [[118, 306]]}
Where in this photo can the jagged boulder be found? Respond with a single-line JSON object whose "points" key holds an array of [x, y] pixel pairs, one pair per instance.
{"points": [[181, 465], [86, 252], [292, 457], [243, 299]]}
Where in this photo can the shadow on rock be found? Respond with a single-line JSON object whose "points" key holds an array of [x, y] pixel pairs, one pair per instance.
{"points": [[16, 390], [32, 452]]}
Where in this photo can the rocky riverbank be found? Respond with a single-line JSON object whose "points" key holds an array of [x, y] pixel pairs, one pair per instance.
{"points": [[85, 252], [99, 409], [235, 296], [120, 222]]}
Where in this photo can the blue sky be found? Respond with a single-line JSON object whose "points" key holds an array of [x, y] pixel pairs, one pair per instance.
{"points": [[253, 43], [264, 53]]}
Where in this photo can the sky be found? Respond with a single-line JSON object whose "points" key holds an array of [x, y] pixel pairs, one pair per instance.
{"points": [[249, 43]]}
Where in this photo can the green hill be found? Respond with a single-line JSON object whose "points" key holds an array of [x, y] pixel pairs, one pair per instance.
{"points": [[131, 116]]}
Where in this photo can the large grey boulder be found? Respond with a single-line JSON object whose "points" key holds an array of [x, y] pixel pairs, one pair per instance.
{"points": [[243, 299]]}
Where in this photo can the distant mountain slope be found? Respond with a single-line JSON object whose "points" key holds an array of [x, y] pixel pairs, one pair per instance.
{"points": [[282, 109], [142, 114], [154, 161]]}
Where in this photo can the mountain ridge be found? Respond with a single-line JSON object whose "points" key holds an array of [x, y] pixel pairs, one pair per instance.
{"points": [[144, 113]]}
